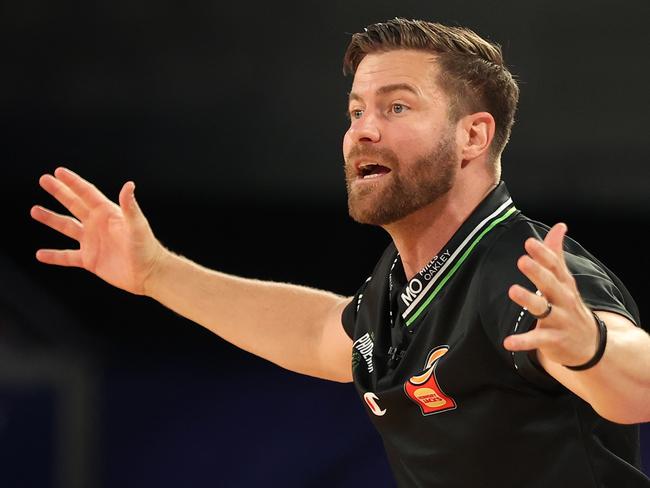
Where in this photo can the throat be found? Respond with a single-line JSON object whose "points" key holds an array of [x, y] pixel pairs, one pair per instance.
{"points": [[419, 239]]}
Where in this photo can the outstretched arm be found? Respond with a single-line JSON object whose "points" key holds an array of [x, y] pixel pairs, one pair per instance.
{"points": [[617, 386], [296, 327]]}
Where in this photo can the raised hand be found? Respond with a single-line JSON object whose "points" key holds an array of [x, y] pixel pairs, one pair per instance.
{"points": [[115, 242], [568, 334]]}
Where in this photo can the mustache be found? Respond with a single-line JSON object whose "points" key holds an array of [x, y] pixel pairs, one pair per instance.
{"points": [[379, 154]]}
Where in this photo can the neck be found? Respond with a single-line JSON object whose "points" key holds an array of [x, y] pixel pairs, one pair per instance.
{"points": [[420, 235]]}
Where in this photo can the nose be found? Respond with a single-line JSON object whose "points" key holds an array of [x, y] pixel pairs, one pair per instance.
{"points": [[364, 129]]}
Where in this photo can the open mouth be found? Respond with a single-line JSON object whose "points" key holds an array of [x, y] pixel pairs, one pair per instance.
{"points": [[368, 171]]}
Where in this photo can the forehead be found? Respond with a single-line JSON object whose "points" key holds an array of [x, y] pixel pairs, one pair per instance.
{"points": [[416, 68]]}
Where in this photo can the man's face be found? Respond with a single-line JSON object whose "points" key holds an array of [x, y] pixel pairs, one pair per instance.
{"points": [[400, 150]]}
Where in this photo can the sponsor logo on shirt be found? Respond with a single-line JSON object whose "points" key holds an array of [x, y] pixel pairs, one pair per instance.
{"points": [[415, 286], [424, 390], [371, 401], [363, 347]]}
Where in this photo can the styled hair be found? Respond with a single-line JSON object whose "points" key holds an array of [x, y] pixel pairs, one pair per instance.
{"points": [[472, 72]]}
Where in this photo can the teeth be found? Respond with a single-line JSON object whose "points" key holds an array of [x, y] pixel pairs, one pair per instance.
{"points": [[365, 169], [371, 169]]}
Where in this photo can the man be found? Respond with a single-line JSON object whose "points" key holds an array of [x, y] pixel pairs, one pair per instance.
{"points": [[479, 367]]}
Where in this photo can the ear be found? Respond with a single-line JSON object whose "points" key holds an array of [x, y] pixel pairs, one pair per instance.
{"points": [[477, 134]]}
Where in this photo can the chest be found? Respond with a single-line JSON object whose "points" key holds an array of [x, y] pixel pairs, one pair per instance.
{"points": [[429, 366]]}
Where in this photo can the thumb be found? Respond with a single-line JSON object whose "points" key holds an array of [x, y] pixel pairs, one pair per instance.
{"points": [[128, 202], [527, 341]]}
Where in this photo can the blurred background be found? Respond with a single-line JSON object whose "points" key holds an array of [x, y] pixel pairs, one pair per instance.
{"points": [[229, 117]]}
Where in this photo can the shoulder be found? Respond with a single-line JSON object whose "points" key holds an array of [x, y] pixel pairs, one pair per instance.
{"points": [[372, 290], [507, 244], [383, 266], [599, 286], [497, 266]]}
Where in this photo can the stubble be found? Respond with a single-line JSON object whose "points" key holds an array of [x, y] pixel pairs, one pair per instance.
{"points": [[408, 188]]}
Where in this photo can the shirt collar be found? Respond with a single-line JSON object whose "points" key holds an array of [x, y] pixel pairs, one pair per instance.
{"points": [[416, 295]]}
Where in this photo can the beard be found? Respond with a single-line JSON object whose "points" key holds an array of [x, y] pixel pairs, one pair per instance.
{"points": [[408, 188]]}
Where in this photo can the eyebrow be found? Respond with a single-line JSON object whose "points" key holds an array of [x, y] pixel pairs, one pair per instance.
{"points": [[383, 90]]}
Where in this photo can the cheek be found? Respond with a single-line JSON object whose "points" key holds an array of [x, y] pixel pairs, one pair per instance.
{"points": [[429, 137], [460, 136], [412, 133], [347, 143]]}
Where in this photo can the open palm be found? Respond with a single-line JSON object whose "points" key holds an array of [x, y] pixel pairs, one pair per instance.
{"points": [[115, 241]]}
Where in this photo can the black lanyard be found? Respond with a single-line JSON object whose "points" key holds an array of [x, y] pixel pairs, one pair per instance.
{"points": [[398, 337]]}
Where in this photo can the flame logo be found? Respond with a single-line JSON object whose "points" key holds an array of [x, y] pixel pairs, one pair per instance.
{"points": [[424, 390]]}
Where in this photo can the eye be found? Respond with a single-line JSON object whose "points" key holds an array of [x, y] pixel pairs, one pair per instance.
{"points": [[398, 108], [356, 114]]}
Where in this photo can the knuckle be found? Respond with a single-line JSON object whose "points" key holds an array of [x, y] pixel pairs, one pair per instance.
{"points": [[571, 281], [554, 265], [554, 340]]}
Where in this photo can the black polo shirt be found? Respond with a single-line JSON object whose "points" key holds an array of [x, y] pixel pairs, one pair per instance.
{"points": [[456, 409]]}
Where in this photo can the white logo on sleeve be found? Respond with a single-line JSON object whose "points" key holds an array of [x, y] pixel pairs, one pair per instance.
{"points": [[365, 346], [371, 401]]}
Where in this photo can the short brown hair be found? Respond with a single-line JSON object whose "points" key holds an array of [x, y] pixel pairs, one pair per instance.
{"points": [[472, 70]]}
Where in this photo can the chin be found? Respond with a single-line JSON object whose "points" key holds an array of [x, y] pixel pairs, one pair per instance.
{"points": [[373, 215]]}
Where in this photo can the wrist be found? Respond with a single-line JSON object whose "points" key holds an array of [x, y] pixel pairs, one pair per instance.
{"points": [[600, 349], [157, 270]]}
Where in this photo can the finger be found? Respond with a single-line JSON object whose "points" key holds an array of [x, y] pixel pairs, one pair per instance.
{"points": [[542, 278], [64, 195], [60, 257], [534, 339], [533, 302], [128, 203], [547, 258], [555, 238], [87, 192], [66, 225]]}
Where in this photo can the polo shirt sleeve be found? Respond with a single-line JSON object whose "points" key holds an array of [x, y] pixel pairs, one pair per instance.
{"points": [[351, 310], [600, 290], [501, 317]]}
